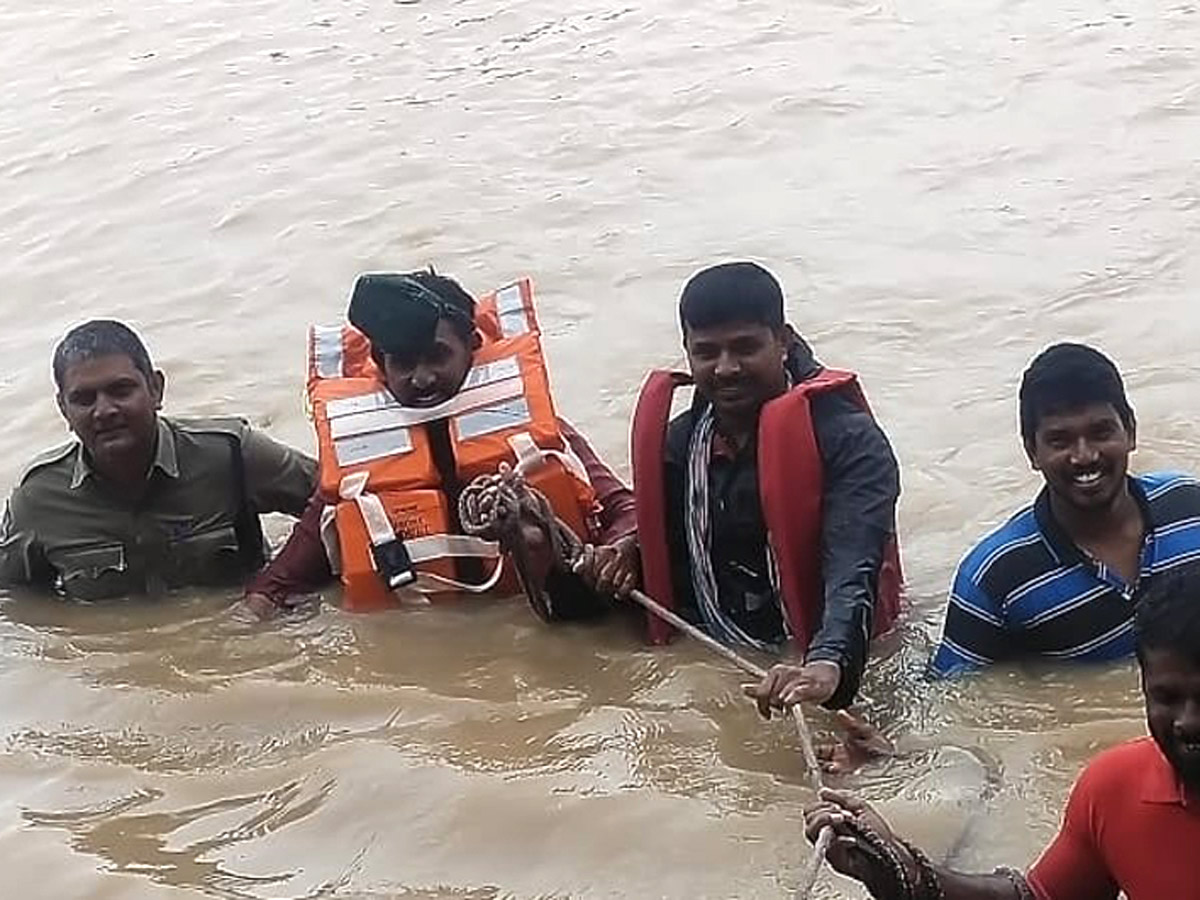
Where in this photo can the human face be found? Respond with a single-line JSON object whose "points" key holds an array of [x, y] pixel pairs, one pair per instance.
{"points": [[112, 408], [435, 374], [737, 367], [1083, 455], [1171, 683]]}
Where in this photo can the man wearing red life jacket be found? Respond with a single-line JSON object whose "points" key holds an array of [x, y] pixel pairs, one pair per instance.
{"points": [[424, 342], [766, 511]]}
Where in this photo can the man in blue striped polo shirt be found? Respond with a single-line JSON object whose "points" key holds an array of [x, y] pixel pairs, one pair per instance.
{"points": [[1061, 578]]}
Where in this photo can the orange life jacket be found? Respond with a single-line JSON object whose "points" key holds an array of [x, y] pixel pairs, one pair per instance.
{"points": [[790, 490], [392, 501]]}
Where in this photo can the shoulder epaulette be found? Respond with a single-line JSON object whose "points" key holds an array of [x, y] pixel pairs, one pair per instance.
{"points": [[48, 458], [234, 426]]}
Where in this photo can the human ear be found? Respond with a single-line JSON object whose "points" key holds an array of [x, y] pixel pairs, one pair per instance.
{"points": [[1031, 455], [158, 385]]}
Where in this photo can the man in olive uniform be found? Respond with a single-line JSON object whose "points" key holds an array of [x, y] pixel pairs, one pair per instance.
{"points": [[141, 503]]}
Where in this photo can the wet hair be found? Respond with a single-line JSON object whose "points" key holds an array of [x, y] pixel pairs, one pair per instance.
{"points": [[100, 337], [731, 292], [1068, 377], [1168, 616], [399, 313]]}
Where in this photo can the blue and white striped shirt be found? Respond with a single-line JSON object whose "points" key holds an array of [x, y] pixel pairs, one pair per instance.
{"points": [[1026, 590]]}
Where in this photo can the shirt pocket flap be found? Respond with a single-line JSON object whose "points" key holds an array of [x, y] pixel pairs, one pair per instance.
{"points": [[92, 562], [95, 572]]}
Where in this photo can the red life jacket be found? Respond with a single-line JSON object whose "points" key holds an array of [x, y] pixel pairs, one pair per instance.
{"points": [[790, 485]]}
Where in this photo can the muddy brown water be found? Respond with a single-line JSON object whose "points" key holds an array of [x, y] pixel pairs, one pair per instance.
{"points": [[943, 187]]}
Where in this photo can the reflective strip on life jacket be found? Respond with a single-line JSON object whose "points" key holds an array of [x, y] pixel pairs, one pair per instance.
{"points": [[327, 354], [507, 312], [339, 351], [790, 492]]}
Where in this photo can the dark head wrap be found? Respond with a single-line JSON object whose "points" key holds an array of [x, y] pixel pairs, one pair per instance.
{"points": [[398, 313]]}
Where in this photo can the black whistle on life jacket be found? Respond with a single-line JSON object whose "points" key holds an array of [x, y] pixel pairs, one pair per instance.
{"points": [[394, 564]]}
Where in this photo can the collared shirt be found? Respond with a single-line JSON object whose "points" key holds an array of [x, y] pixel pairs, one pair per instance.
{"points": [[1028, 590], [1129, 827], [195, 523], [861, 484]]}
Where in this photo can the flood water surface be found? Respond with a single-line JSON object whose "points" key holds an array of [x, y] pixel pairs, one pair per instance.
{"points": [[943, 189]]}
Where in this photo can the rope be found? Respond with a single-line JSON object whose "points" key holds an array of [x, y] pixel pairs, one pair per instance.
{"points": [[492, 506], [496, 506], [809, 875]]}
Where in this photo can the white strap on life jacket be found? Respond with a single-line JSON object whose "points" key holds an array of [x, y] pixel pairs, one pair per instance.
{"points": [[421, 549], [432, 583], [370, 507], [329, 539], [530, 456]]}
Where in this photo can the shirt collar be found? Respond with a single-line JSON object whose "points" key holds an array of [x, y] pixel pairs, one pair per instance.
{"points": [[1160, 784], [1061, 545], [166, 457]]}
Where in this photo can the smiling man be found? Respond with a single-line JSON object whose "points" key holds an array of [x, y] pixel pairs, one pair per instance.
{"points": [[766, 511], [1132, 824], [1061, 579], [140, 503]]}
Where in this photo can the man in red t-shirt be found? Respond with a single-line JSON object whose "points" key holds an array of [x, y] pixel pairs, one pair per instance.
{"points": [[1132, 824]]}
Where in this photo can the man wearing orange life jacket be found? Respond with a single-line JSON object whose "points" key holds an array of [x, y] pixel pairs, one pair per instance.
{"points": [[766, 511], [459, 377]]}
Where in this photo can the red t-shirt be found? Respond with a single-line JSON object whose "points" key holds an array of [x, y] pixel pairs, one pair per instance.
{"points": [[1129, 826]]}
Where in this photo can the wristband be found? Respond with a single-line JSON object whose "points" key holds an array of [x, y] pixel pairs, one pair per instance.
{"points": [[1020, 885]]}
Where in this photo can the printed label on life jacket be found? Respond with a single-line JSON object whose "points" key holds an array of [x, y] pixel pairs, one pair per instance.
{"points": [[361, 448], [497, 417]]}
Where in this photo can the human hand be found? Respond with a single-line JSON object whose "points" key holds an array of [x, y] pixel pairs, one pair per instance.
{"points": [[496, 500], [850, 853], [786, 685], [254, 608], [860, 743], [610, 568]]}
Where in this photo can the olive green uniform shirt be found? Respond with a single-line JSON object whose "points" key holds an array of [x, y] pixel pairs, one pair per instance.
{"points": [[196, 523]]}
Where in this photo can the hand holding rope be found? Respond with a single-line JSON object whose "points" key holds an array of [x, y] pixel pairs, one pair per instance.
{"points": [[494, 506]]}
